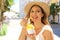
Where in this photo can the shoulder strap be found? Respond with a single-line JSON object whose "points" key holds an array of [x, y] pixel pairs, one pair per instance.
{"points": [[46, 27]]}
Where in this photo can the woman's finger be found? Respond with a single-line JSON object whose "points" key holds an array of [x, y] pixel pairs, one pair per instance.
{"points": [[24, 22]]}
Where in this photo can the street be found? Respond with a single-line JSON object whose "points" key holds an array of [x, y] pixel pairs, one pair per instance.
{"points": [[56, 29]]}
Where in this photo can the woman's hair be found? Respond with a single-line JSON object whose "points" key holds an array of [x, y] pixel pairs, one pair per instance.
{"points": [[44, 19]]}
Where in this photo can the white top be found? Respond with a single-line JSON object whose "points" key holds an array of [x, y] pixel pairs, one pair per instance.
{"points": [[39, 36]]}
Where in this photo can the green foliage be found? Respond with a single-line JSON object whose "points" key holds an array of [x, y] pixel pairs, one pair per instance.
{"points": [[11, 2], [3, 30], [54, 9], [5, 6]]}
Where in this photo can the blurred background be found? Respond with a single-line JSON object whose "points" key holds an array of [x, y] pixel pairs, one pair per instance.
{"points": [[12, 12]]}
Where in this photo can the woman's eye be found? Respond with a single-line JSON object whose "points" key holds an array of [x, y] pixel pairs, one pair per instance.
{"points": [[38, 11], [32, 11]]}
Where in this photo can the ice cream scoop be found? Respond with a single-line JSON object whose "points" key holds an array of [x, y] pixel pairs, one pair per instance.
{"points": [[30, 28]]}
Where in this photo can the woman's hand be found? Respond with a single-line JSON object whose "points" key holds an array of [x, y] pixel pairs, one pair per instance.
{"points": [[32, 36], [24, 22]]}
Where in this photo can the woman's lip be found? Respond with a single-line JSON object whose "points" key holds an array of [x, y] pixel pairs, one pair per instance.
{"points": [[34, 17]]}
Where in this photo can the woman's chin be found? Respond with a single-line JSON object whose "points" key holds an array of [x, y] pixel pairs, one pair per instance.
{"points": [[35, 20]]}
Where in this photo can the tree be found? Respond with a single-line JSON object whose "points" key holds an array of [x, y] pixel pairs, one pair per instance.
{"points": [[4, 4], [54, 9]]}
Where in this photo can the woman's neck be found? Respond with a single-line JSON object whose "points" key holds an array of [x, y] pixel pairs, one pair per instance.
{"points": [[38, 24]]}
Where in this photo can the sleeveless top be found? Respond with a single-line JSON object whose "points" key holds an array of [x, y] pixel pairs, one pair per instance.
{"points": [[40, 36]]}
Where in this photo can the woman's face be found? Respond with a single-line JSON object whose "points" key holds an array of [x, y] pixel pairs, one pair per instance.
{"points": [[36, 14]]}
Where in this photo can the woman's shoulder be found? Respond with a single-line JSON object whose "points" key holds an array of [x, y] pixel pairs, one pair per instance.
{"points": [[47, 27]]}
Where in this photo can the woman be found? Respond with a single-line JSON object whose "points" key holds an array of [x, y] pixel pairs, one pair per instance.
{"points": [[38, 13]]}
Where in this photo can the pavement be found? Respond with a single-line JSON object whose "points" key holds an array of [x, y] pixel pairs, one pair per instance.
{"points": [[56, 29], [13, 30]]}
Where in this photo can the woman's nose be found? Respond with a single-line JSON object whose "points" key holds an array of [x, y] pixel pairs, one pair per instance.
{"points": [[35, 13]]}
